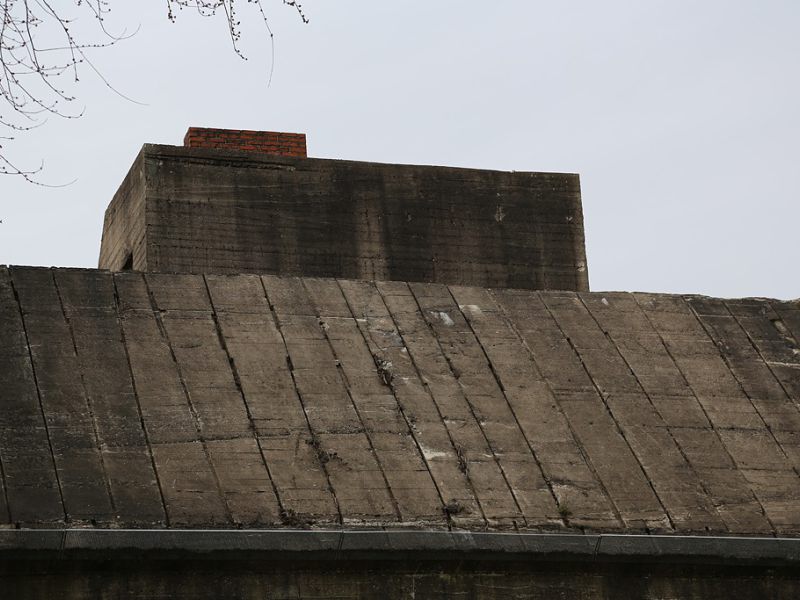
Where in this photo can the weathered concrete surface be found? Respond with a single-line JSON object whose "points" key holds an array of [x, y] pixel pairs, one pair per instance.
{"points": [[218, 211], [283, 564], [125, 221], [248, 580], [189, 401]]}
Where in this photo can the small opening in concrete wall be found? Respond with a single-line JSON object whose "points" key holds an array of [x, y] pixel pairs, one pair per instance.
{"points": [[128, 264]]}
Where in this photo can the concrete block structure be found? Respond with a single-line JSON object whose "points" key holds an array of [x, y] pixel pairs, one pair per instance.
{"points": [[204, 209], [281, 411]]}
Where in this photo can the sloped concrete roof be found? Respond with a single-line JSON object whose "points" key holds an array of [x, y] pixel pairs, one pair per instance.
{"points": [[190, 401]]}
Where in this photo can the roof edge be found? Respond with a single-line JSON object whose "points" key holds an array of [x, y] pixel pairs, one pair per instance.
{"points": [[167, 150], [383, 545]]}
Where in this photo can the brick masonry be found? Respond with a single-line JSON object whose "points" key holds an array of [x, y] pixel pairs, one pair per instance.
{"points": [[201, 210], [267, 142], [191, 401]]}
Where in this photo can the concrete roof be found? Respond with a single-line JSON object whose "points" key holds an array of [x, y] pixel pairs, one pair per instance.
{"points": [[190, 401]]}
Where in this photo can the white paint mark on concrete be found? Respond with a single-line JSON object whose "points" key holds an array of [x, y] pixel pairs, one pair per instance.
{"points": [[431, 454], [443, 317], [499, 214], [470, 308], [604, 301]]}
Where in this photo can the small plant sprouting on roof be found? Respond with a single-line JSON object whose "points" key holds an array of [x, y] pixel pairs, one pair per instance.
{"points": [[463, 466], [323, 455], [564, 512], [454, 507], [292, 519], [384, 368]]}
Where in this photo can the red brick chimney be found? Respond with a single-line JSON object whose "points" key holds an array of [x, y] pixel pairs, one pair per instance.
{"points": [[268, 142]]}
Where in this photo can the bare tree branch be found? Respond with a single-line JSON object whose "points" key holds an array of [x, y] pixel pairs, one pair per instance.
{"points": [[41, 57]]}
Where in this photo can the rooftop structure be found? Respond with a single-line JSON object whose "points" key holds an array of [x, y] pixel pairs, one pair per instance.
{"points": [[219, 207], [363, 380]]}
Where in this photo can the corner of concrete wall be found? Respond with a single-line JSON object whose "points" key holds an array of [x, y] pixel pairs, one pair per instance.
{"points": [[123, 242], [581, 260]]}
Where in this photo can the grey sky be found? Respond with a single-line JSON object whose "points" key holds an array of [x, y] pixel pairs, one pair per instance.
{"points": [[681, 117]]}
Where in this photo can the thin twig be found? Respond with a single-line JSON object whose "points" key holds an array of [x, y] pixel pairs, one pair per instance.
{"points": [[36, 75]]}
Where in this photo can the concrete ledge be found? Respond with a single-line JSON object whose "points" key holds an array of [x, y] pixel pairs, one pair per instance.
{"points": [[381, 545]]}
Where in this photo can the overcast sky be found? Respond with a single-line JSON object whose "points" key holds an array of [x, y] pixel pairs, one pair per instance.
{"points": [[682, 119]]}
